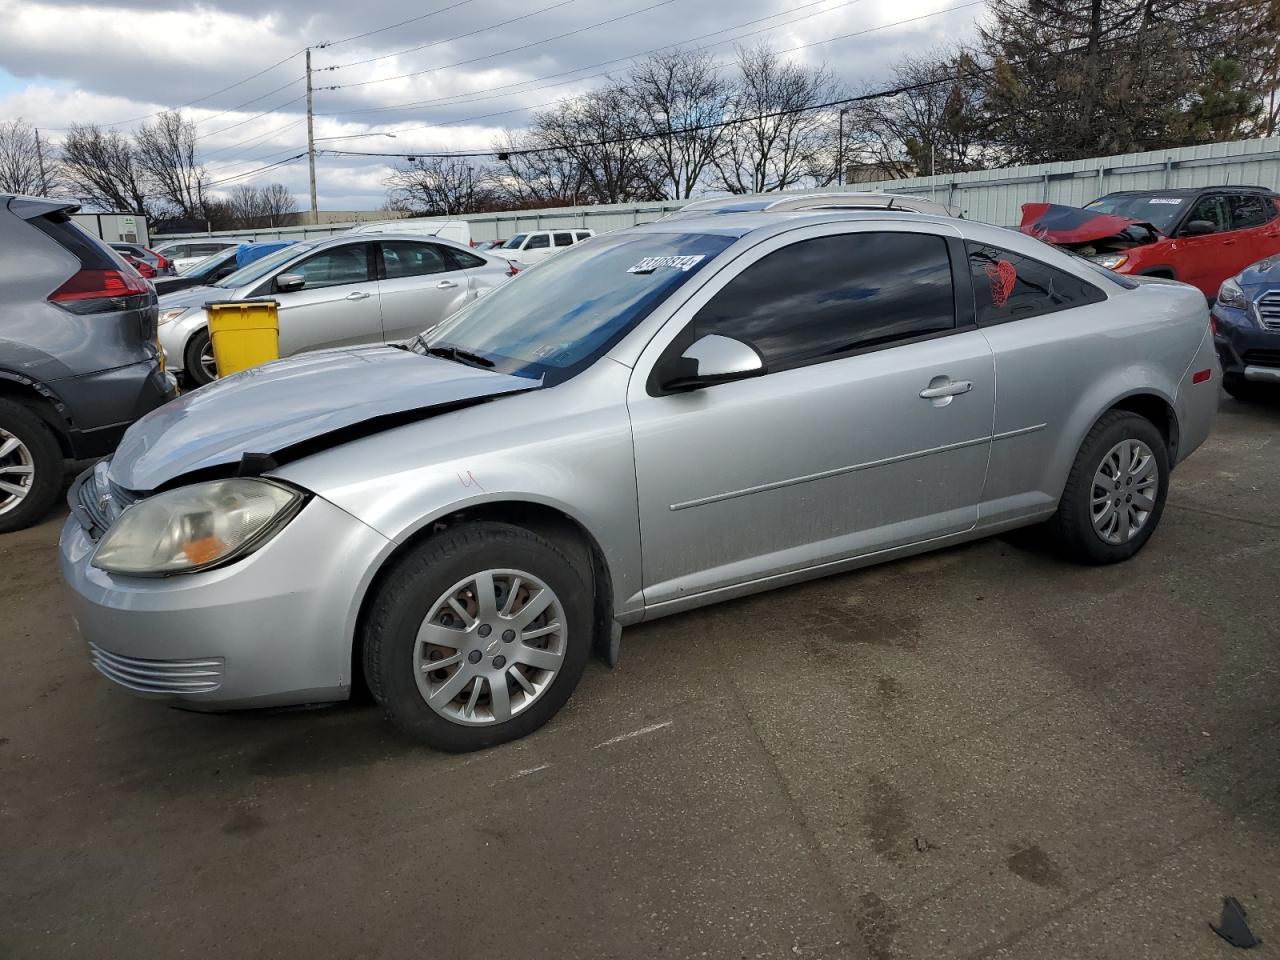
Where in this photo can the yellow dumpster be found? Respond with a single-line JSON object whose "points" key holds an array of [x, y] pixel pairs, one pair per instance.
{"points": [[244, 333]]}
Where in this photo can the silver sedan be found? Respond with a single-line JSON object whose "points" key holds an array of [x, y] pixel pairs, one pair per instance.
{"points": [[334, 292], [666, 417]]}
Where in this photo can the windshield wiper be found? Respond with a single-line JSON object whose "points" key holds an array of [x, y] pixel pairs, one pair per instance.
{"points": [[458, 355]]}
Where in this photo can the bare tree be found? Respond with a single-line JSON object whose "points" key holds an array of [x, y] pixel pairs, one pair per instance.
{"points": [[530, 175], [166, 154], [101, 168], [278, 204], [22, 168], [438, 186], [678, 99], [778, 133]]}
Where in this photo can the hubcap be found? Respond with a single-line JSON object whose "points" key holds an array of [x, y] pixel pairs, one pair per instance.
{"points": [[1125, 487], [207, 363], [17, 471], [490, 646]]}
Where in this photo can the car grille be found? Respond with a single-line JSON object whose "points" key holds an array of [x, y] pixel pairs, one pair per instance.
{"points": [[1269, 310], [159, 676], [97, 502], [1262, 358]]}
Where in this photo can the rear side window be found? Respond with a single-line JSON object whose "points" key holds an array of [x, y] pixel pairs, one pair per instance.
{"points": [[1009, 286], [403, 258], [1249, 210], [564, 239], [822, 298], [582, 235], [461, 260], [92, 253], [538, 241]]}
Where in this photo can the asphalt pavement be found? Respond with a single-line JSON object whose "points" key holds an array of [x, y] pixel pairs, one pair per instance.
{"points": [[981, 752]]}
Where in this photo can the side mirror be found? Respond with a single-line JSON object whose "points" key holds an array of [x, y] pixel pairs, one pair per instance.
{"points": [[288, 282], [1199, 228], [714, 359]]}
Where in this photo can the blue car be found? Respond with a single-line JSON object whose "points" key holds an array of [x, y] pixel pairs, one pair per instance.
{"points": [[1246, 319]]}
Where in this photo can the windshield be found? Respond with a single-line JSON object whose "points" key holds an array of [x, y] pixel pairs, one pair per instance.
{"points": [[554, 321], [260, 268], [514, 242], [1162, 211]]}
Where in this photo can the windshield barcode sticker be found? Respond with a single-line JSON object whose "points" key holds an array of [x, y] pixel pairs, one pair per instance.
{"points": [[650, 264], [1173, 200]]}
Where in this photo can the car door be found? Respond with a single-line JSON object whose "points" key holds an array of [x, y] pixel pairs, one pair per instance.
{"points": [[338, 304], [418, 286], [870, 429], [1254, 220], [536, 247], [1204, 261]]}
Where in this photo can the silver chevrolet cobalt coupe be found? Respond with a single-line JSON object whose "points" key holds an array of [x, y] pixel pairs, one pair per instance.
{"points": [[660, 418]]}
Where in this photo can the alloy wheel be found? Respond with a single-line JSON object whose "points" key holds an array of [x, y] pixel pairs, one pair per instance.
{"points": [[1125, 487], [207, 362], [17, 471], [490, 646]]}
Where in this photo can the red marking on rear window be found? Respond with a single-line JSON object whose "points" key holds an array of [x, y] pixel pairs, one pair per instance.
{"points": [[1002, 276], [1200, 376]]}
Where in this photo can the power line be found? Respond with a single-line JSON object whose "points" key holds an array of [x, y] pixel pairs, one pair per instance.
{"points": [[259, 116], [490, 56], [246, 103], [459, 36], [370, 33], [249, 173], [551, 76], [256, 138]]}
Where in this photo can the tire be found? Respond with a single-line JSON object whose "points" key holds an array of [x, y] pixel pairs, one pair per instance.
{"points": [[32, 461], [192, 367], [1243, 390], [413, 600], [1073, 527]]}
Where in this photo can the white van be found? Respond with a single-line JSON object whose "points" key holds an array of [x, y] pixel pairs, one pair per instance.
{"points": [[459, 231], [529, 248]]}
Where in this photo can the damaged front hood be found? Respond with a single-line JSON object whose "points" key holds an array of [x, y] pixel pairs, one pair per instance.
{"points": [[1060, 224], [270, 409]]}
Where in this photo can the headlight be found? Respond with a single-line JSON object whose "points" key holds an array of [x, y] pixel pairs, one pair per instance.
{"points": [[196, 527], [1112, 261], [1230, 294], [169, 314]]}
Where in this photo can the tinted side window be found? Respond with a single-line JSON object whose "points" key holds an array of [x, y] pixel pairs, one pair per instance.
{"points": [[403, 258], [581, 235], [462, 260], [821, 298], [1009, 286], [1212, 208], [347, 264], [1249, 210], [538, 241], [564, 239]]}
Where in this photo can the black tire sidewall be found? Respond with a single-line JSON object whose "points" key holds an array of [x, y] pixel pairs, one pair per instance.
{"points": [[405, 598], [50, 468], [191, 358], [1074, 512]]}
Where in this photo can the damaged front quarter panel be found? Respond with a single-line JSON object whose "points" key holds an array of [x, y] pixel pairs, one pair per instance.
{"points": [[292, 408]]}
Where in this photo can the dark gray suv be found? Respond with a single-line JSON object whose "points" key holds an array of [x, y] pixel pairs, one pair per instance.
{"points": [[78, 355]]}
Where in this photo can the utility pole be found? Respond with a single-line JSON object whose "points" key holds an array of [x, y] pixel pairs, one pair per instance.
{"points": [[44, 182], [311, 145], [840, 149]]}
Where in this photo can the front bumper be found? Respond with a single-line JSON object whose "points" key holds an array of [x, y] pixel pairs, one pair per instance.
{"points": [[1246, 350], [274, 628]]}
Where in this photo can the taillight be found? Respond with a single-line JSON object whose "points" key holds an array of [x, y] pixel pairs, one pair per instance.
{"points": [[98, 291], [512, 269], [162, 262]]}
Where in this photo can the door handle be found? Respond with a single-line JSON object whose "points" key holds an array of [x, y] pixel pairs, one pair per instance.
{"points": [[358, 295], [445, 285], [948, 388]]}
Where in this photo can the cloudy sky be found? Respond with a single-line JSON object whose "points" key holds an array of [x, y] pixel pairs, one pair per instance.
{"points": [[445, 75]]}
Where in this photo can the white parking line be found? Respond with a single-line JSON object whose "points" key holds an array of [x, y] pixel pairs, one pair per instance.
{"points": [[635, 733], [525, 773]]}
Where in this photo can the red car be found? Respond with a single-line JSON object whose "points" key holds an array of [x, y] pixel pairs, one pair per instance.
{"points": [[1200, 235], [145, 269]]}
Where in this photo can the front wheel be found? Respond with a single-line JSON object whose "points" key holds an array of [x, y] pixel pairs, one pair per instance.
{"points": [[197, 360], [1115, 492], [478, 636]]}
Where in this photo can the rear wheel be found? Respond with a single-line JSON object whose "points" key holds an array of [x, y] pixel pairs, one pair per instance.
{"points": [[198, 360], [1115, 492], [31, 467], [1243, 390], [478, 636]]}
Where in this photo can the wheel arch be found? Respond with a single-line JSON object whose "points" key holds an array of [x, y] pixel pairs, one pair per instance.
{"points": [[1156, 409], [42, 401], [540, 518]]}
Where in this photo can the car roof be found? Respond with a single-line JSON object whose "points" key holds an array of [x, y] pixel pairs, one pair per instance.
{"points": [[832, 200], [1191, 191], [730, 224]]}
